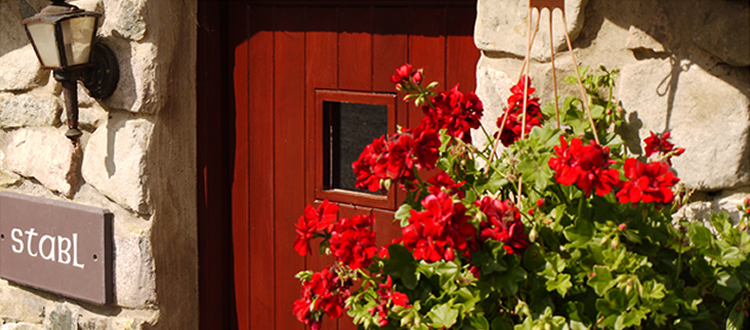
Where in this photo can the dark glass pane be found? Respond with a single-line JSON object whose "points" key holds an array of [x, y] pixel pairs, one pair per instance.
{"points": [[349, 127]]}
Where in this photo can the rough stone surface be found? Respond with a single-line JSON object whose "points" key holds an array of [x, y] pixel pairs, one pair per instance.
{"points": [[134, 267], [726, 32], [707, 116], [140, 77], [125, 18], [8, 179], [18, 305], [639, 39], [704, 205], [47, 155], [12, 33], [501, 26], [20, 326], [493, 88], [29, 110], [115, 160], [89, 118], [21, 70], [63, 317]]}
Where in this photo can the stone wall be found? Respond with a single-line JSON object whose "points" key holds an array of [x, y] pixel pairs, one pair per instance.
{"points": [[136, 158], [684, 67]]}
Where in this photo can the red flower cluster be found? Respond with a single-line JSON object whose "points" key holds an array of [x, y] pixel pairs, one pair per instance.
{"points": [[649, 183], [435, 233], [514, 121], [660, 144], [454, 111], [324, 293], [442, 181], [386, 295], [353, 241], [394, 159], [312, 222], [585, 165], [503, 224], [404, 74]]}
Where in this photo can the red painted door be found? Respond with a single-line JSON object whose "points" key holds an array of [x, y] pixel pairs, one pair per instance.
{"points": [[292, 60]]}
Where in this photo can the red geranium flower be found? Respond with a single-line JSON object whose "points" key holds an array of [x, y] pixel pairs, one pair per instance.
{"points": [[514, 121], [363, 167], [659, 143], [404, 73], [502, 224], [386, 296], [313, 221], [324, 293], [649, 183], [455, 112], [442, 181], [353, 241], [432, 234], [585, 165]]}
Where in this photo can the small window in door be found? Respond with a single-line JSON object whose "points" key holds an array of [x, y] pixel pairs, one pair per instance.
{"points": [[346, 122]]}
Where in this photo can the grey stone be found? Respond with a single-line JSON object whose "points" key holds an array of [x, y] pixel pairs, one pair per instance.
{"points": [[141, 84], [493, 88], [501, 26], [706, 115], [135, 278], [18, 305], [114, 161], [63, 317], [47, 155], [726, 32], [639, 39], [20, 326], [29, 110], [89, 118], [21, 70], [125, 18]]}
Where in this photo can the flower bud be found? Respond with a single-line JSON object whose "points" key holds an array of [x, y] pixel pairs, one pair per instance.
{"points": [[622, 227]]}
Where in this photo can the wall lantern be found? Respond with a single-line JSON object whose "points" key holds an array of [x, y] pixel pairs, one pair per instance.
{"points": [[63, 39]]}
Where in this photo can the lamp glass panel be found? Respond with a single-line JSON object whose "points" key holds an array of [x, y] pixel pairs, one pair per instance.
{"points": [[77, 36], [45, 43]]}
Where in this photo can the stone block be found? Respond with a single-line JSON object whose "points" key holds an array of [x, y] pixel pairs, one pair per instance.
{"points": [[141, 77], [501, 26], [63, 317], [29, 110], [20, 326], [639, 39], [125, 18], [726, 32], [19, 305], [89, 118], [135, 278], [21, 70], [12, 33], [493, 88], [707, 116], [114, 161], [46, 155], [8, 179]]}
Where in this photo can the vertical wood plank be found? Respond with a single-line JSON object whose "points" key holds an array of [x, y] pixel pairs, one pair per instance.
{"points": [[321, 72], [427, 50], [348, 211], [289, 145], [385, 229], [462, 54], [261, 170], [238, 17], [355, 48]]}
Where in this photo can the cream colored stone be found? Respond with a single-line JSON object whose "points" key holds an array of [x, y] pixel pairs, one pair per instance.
{"points": [[706, 115], [501, 26], [8, 179], [19, 305], [20, 70], [12, 34], [639, 39], [125, 18], [46, 155], [493, 88], [29, 110], [20, 326], [726, 32], [114, 161], [135, 277]]}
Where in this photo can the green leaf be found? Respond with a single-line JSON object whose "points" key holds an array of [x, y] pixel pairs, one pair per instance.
{"points": [[403, 214], [736, 317], [561, 284], [580, 234], [479, 322], [401, 264], [727, 285], [443, 316], [601, 281]]}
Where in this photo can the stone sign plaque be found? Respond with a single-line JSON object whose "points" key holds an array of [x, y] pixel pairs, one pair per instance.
{"points": [[60, 247]]}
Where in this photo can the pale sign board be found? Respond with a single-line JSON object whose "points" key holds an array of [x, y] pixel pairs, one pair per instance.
{"points": [[59, 247]]}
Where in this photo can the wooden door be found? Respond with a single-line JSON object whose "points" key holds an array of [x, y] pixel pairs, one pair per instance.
{"points": [[291, 59]]}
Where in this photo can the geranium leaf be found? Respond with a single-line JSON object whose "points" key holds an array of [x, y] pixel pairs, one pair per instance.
{"points": [[443, 316], [727, 285], [479, 322], [601, 280], [736, 317], [561, 283], [580, 234], [401, 264]]}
